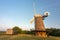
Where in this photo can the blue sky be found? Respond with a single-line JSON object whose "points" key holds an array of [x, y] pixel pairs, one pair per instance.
{"points": [[19, 12]]}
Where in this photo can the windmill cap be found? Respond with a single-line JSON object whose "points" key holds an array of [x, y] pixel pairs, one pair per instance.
{"points": [[38, 15]]}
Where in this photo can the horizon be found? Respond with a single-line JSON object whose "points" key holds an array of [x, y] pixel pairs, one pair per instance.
{"points": [[20, 12]]}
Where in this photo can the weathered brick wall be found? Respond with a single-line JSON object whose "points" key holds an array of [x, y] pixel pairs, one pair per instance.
{"points": [[39, 25]]}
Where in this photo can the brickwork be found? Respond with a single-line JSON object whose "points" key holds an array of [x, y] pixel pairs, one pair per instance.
{"points": [[39, 26], [9, 31]]}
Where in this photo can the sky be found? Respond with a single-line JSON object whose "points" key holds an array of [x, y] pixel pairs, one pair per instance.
{"points": [[20, 12]]}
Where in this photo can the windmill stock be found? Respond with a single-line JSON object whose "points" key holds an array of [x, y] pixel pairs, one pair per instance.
{"points": [[39, 24]]}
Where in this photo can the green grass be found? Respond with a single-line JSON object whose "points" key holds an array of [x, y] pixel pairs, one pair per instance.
{"points": [[26, 37]]}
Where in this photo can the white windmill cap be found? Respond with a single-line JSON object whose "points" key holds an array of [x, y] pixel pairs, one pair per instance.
{"points": [[38, 15]]}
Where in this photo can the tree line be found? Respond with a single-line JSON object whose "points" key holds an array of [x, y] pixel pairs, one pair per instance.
{"points": [[49, 31], [53, 32]]}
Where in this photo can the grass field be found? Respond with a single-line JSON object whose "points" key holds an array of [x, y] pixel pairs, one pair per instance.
{"points": [[26, 37]]}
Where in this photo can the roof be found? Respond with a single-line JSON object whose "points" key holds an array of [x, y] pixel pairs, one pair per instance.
{"points": [[38, 15]]}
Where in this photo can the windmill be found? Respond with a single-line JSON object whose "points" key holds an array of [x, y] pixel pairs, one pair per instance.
{"points": [[39, 25]]}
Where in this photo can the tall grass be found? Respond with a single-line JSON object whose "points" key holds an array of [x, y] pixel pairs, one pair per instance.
{"points": [[26, 37]]}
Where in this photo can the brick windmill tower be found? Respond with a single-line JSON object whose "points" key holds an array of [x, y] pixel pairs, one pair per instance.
{"points": [[39, 25]]}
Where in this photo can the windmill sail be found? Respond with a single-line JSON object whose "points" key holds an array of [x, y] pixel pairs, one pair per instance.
{"points": [[34, 8], [32, 20]]}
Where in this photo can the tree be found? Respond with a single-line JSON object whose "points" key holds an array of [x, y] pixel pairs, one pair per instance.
{"points": [[17, 30], [53, 32]]}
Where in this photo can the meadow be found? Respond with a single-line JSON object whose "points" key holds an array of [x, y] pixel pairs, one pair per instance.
{"points": [[26, 37]]}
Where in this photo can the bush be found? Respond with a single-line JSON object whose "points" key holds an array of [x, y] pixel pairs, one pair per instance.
{"points": [[17, 30]]}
